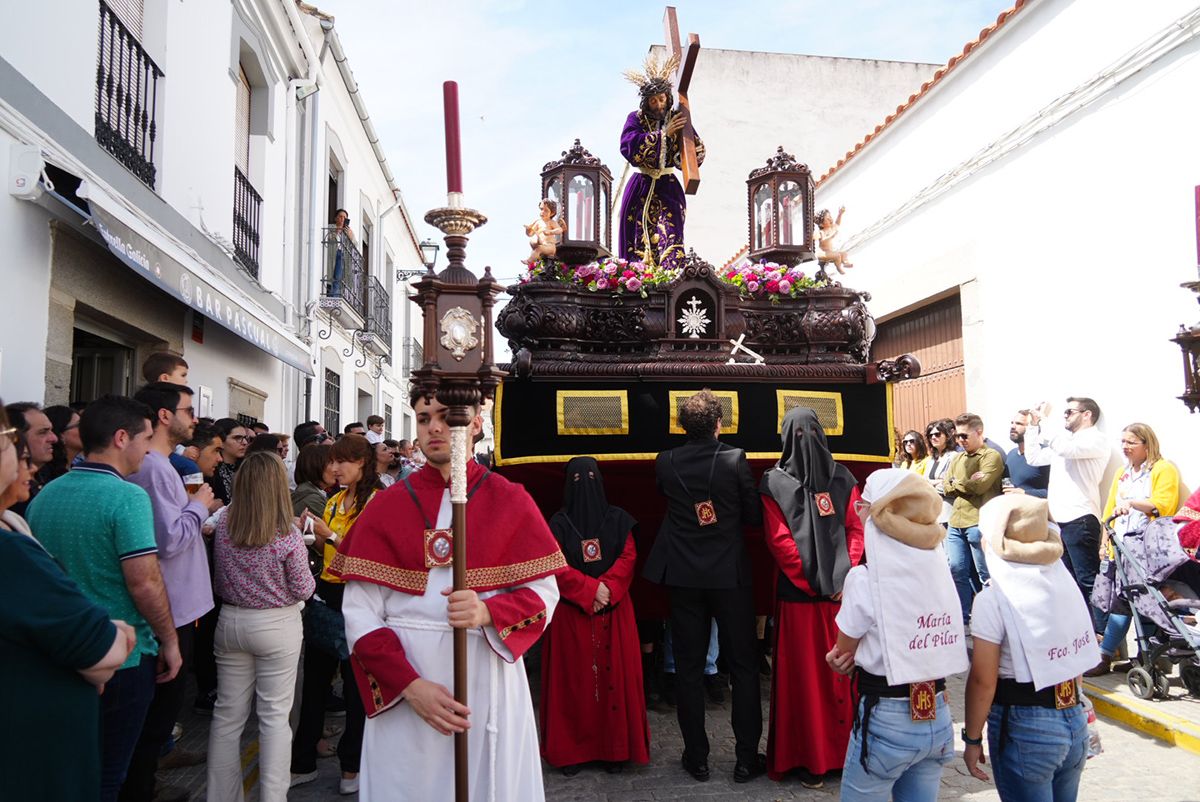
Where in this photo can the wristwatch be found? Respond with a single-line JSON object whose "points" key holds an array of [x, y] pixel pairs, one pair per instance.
{"points": [[969, 741]]}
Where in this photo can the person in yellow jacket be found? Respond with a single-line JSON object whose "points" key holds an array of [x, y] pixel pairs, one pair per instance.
{"points": [[1146, 488]]}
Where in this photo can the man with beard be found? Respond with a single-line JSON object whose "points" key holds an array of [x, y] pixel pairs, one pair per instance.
{"points": [[183, 559], [1023, 477], [653, 207]]}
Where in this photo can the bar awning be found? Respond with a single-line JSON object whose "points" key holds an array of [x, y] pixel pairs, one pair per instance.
{"points": [[186, 277]]}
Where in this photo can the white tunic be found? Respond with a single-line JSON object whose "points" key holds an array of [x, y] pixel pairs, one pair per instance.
{"points": [[404, 758]]}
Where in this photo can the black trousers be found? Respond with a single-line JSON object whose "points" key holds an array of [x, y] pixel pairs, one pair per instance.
{"points": [[319, 668], [160, 720], [692, 610]]}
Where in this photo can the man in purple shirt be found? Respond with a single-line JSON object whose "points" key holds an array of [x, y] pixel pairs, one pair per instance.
{"points": [[184, 561]]}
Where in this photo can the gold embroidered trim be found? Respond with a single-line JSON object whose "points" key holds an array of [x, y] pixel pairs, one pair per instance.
{"points": [[376, 694], [400, 578], [504, 575], [415, 581], [531, 620]]}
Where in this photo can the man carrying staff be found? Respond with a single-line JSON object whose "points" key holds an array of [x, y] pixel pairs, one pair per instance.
{"points": [[653, 207], [400, 611]]}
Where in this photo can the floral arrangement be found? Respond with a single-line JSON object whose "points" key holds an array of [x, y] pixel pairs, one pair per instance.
{"points": [[619, 276], [769, 280]]}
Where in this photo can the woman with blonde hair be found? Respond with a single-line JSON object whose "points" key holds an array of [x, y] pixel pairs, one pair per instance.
{"points": [[262, 576], [1147, 487]]}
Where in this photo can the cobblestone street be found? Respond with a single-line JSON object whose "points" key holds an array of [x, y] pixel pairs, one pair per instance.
{"points": [[1133, 766]]}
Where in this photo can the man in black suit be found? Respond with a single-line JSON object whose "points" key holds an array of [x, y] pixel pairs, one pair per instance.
{"points": [[700, 555]]}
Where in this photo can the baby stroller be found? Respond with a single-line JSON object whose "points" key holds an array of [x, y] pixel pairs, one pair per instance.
{"points": [[1154, 576]]}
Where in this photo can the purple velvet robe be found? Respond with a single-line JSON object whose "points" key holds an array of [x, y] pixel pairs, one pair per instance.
{"points": [[642, 143]]}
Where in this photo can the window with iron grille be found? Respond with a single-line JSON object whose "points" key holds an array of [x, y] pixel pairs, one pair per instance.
{"points": [[126, 120], [333, 401], [247, 203], [387, 421]]}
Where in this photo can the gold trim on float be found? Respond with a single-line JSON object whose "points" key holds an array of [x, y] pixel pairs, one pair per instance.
{"points": [[834, 431], [727, 427], [646, 457], [561, 396]]}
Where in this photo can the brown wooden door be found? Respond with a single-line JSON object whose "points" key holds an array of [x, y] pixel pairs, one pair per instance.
{"points": [[933, 334]]}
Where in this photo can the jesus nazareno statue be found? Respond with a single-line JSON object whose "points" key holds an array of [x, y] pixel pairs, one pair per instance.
{"points": [[653, 207]]}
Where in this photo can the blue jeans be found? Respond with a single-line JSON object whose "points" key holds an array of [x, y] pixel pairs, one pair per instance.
{"points": [[1114, 633], [904, 757], [1042, 757], [1081, 554], [710, 659], [967, 564], [123, 707]]}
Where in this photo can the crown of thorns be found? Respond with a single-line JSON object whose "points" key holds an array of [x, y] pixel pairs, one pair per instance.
{"points": [[654, 77]]}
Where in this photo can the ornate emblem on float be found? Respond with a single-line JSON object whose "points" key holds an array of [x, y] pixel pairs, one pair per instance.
{"points": [[694, 319], [458, 332]]}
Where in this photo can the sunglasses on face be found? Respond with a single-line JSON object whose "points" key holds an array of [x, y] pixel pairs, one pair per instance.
{"points": [[963, 437], [910, 442]]}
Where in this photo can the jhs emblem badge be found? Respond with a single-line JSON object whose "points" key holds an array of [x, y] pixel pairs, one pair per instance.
{"points": [[824, 504], [922, 701], [1065, 695], [591, 550], [438, 548], [706, 513]]}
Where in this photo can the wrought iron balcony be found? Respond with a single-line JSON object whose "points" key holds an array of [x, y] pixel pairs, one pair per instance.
{"points": [[378, 334], [126, 98], [414, 356], [247, 205], [343, 287]]}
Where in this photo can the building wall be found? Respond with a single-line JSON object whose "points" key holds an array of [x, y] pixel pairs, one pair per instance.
{"points": [[746, 104], [1069, 250]]}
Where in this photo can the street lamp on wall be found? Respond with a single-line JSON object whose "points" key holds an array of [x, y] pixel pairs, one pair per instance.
{"points": [[780, 201]]}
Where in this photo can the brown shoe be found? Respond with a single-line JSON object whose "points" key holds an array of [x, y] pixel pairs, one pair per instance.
{"points": [[1101, 668]]}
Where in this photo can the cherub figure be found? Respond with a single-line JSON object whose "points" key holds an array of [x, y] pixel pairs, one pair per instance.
{"points": [[827, 229], [544, 233]]}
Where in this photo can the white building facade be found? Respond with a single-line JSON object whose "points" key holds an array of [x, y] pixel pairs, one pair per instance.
{"points": [[171, 169], [1044, 187]]}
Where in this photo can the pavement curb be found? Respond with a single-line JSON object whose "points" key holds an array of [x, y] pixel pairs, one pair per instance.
{"points": [[1145, 717]]}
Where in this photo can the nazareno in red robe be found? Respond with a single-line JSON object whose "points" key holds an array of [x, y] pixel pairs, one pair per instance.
{"points": [[812, 706], [508, 544], [592, 706]]}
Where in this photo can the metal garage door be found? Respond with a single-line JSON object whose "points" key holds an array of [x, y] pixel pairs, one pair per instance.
{"points": [[932, 333]]}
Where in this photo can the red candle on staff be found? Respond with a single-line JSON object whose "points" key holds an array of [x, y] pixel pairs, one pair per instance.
{"points": [[453, 147]]}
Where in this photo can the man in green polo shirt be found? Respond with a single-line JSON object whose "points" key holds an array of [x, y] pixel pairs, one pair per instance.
{"points": [[101, 529]]}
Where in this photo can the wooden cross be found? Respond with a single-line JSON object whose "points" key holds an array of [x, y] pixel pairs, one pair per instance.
{"points": [[683, 80]]}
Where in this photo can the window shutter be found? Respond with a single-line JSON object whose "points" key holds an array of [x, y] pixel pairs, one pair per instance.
{"points": [[129, 12], [241, 145]]}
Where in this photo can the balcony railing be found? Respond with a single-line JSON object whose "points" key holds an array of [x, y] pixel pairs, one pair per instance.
{"points": [[379, 312], [126, 98], [414, 356], [344, 274], [247, 204]]}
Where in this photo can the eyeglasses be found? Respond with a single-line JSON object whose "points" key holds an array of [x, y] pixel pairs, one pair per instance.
{"points": [[191, 411], [72, 426], [241, 438], [962, 437], [935, 433], [909, 442], [1069, 412], [11, 433]]}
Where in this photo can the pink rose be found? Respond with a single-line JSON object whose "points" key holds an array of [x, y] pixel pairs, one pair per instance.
{"points": [[602, 283], [633, 284], [752, 285], [610, 268], [785, 286]]}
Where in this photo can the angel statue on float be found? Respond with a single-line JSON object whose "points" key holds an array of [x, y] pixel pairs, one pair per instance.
{"points": [[654, 206], [544, 233]]}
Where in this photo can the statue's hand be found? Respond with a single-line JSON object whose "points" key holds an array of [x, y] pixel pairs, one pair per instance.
{"points": [[677, 122]]}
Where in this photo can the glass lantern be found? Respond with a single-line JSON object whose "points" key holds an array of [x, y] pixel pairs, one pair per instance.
{"points": [[581, 186], [780, 200]]}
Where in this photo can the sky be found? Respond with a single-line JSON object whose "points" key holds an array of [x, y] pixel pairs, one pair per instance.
{"points": [[534, 76]]}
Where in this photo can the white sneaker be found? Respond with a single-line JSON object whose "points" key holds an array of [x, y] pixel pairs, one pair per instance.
{"points": [[347, 787], [301, 779]]}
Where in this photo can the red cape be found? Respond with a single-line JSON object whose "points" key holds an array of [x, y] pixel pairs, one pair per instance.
{"points": [[508, 542]]}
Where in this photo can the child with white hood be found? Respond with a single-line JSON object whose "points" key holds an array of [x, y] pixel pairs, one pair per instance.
{"points": [[900, 629], [1033, 639]]}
